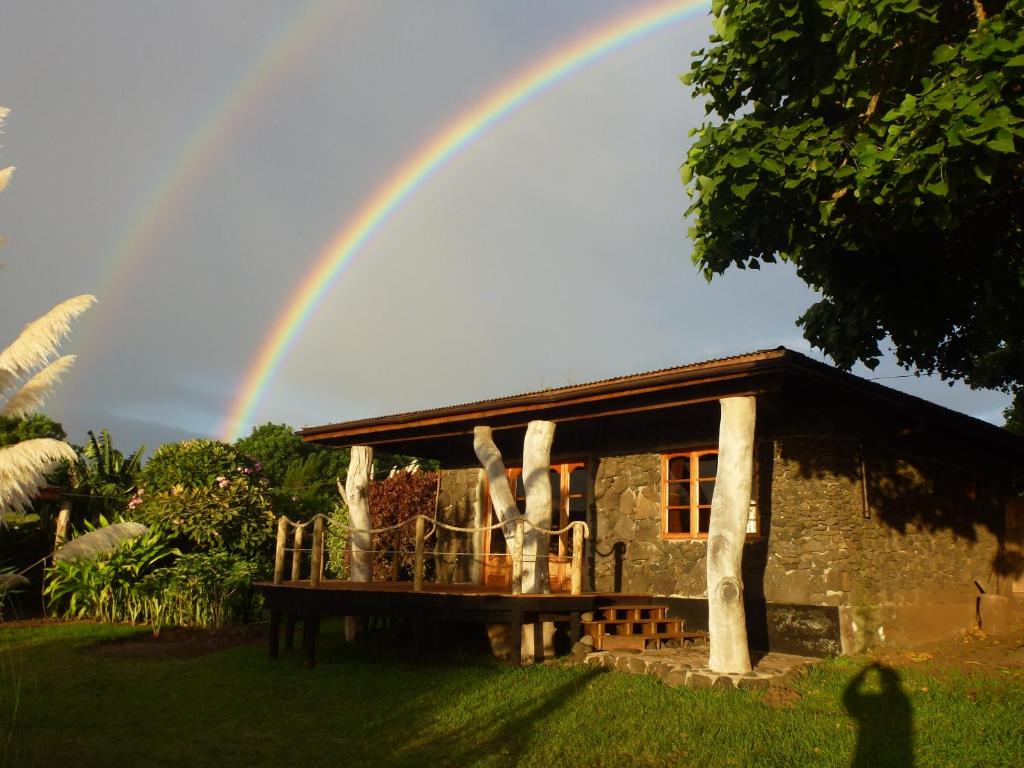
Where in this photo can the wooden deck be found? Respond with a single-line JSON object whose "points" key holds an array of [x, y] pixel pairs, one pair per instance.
{"points": [[467, 603]]}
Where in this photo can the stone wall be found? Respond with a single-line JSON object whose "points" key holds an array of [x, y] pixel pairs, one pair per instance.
{"points": [[460, 503], [901, 571]]}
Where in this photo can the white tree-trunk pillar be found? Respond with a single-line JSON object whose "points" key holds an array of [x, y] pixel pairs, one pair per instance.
{"points": [[502, 500], [357, 497], [537, 481], [727, 533]]}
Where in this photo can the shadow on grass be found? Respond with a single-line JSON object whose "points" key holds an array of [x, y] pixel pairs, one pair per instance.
{"points": [[505, 735], [885, 718]]}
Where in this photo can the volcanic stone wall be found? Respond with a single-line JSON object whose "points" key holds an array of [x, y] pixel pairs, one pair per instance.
{"points": [[902, 568], [460, 503]]}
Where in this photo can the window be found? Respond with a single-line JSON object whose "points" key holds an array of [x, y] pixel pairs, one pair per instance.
{"points": [[687, 488], [569, 499]]}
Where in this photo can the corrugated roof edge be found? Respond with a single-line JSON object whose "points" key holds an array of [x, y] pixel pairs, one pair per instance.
{"points": [[776, 352]]}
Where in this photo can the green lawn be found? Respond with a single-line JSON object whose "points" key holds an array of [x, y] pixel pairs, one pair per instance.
{"points": [[237, 708]]}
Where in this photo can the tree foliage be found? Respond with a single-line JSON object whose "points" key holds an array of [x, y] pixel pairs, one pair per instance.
{"points": [[302, 476], [877, 146], [105, 475]]}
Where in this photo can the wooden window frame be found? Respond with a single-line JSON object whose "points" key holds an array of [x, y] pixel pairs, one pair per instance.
{"points": [[695, 506]]}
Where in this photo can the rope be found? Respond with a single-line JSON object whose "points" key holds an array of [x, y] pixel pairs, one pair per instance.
{"points": [[458, 529]]}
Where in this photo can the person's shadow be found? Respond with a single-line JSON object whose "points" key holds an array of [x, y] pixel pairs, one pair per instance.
{"points": [[885, 719]]}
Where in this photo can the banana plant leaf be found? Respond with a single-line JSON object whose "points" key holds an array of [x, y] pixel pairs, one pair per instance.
{"points": [[102, 541]]}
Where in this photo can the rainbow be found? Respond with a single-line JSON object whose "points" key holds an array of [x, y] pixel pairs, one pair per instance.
{"points": [[418, 168], [216, 127]]}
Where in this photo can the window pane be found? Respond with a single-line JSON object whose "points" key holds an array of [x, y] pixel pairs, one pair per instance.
{"points": [[577, 508], [707, 490], [679, 468], [704, 515], [752, 519], [556, 496], [497, 541], [678, 521], [520, 487], [679, 495], [708, 465], [578, 480]]}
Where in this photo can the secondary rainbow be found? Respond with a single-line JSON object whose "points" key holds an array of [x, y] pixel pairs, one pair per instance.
{"points": [[302, 31], [419, 167]]}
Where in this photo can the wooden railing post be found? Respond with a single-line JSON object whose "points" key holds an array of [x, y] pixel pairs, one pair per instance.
{"points": [[396, 545], [316, 556], [282, 541], [517, 557], [297, 553], [577, 558], [418, 572]]}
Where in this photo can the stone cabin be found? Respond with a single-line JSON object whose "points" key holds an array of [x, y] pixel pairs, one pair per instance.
{"points": [[876, 516]]}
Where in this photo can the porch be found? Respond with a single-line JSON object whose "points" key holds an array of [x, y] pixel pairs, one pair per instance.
{"points": [[426, 609]]}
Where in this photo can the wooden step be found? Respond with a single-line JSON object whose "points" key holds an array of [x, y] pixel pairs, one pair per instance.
{"points": [[634, 612]]}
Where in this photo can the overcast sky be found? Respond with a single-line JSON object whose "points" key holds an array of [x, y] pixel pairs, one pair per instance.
{"points": [[551, 251]]}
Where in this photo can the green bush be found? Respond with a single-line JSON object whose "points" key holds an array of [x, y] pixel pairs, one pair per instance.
{"points": [[103, 588], [202, 590], [336, 542], [134, 584], [209, 496]]}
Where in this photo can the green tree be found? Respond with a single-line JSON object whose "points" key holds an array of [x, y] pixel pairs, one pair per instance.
{"points": [[877, 146], [302, 476]]}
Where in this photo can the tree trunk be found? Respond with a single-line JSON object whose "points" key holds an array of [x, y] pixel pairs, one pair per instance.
{"points": [[502, 500], [357, 497], [727, 533], [537, 481]]}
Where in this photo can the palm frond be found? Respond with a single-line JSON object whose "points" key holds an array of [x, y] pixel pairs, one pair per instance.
{"points": [[24, 467], [34, 391], [39, 340]]}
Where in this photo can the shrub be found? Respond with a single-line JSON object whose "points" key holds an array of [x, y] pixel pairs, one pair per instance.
{"points": [[207, 495], [393, 500], [103, 588], [201, 590]]}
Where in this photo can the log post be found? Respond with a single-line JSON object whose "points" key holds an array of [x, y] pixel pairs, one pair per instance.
{"points": [[577, 558], [282, 542], [418, 571], [357, 497], [63, 520], [316, 556], [537, 482], [396, 544], [297, 553], [502, 500], [730, 507], [517, 557]]}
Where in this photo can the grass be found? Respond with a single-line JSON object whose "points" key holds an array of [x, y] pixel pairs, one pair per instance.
{"points": [[236, 708]]}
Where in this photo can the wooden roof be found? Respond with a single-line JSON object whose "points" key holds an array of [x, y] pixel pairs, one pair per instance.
{"points": [[755, 373]]}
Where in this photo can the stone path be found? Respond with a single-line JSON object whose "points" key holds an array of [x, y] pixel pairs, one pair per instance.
{"points": [[689, 667]]}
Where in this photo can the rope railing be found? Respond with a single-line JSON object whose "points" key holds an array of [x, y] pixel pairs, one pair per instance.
{"points": [[579, 529]]}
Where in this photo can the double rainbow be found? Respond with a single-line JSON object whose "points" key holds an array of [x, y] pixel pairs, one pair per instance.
{"points": [[418, 168]]}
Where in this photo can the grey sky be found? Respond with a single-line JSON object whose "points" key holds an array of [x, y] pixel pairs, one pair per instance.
{"points": [[550, 251]]}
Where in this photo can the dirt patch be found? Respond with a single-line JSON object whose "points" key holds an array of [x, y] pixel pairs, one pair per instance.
{"points": [[780, 696], [972, 652], [178, 642]]}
